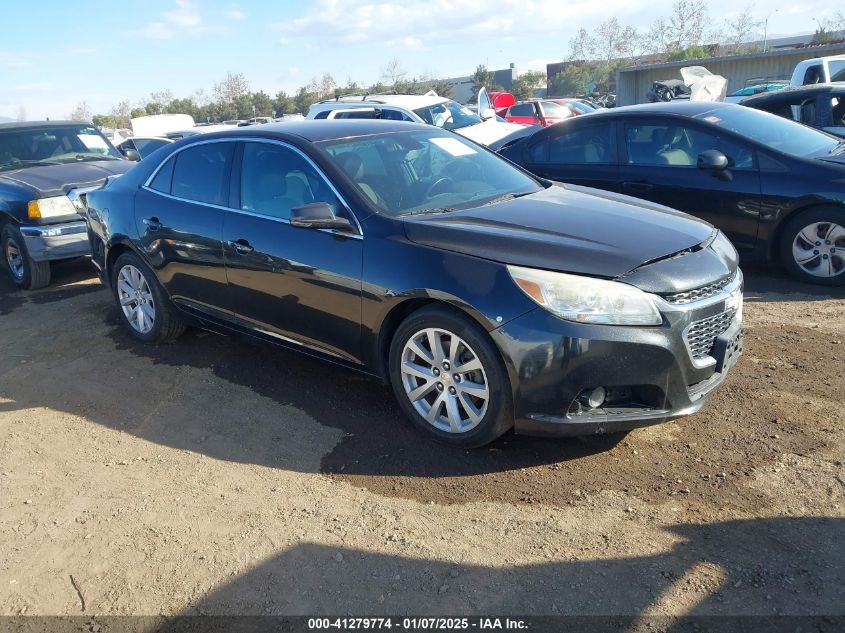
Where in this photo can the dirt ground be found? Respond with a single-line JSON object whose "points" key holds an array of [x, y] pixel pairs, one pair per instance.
{"points": [[217, 476]]}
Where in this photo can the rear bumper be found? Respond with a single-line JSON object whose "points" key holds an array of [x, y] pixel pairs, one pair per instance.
{"points": [[649, 373], [58, 241]]}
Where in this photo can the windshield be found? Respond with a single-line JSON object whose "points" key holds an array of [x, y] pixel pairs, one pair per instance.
{"points": [[770, 130], [41, 145], [448, 115], [419, 172]]}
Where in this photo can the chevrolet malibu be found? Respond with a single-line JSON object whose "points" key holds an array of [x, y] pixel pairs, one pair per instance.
{"points": [[487, 298]]}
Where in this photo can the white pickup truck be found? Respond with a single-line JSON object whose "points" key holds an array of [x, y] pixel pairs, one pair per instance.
{"points": [[820, 70]]}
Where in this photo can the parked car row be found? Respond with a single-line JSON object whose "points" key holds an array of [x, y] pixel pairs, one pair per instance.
{"points": [[479, 288]]}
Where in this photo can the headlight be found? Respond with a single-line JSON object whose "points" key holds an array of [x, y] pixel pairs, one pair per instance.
{"points": [[585, 299], [50, 208]]}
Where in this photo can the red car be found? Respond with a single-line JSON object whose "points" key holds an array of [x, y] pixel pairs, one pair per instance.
{"points": [[544, 112]]}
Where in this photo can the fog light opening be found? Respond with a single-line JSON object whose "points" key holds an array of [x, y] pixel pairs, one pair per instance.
{"points": [[593, 398]]}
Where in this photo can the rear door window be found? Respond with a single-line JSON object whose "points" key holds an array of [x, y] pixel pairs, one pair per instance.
{"points": [[594, 144], [201, 173], [522, 109]]}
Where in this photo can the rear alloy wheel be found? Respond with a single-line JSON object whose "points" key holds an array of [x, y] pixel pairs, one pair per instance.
{"points": [[147, 312], [449, 378], [136, 299], [813, 246], [26, 272]]}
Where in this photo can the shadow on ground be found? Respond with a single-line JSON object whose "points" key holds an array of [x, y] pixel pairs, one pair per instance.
{"points": [[379, 450], [763, 567]]}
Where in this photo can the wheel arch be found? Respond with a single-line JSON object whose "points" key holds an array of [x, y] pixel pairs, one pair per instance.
{"points": [[401, 311], [114, 251], [777, 235]]}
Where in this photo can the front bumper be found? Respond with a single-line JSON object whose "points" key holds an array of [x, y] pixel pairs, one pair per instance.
{"points": [[649, 373], [57, 241]]}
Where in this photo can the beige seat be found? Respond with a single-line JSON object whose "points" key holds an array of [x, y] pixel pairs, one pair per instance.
{"points": [[352, 164]]}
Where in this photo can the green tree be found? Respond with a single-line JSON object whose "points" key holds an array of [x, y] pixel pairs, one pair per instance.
{"points": [[524, 85], [688, 53], [481, 78], [572, 82], [283, 103], [137, 112], [305, 99]]}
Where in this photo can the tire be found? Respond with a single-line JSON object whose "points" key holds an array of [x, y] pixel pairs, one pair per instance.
{"points": [[817, 235], [434, 383], [149, 316], [26, 273]]}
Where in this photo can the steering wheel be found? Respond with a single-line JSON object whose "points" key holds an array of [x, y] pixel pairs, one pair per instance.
{"points": [[438, 184]]}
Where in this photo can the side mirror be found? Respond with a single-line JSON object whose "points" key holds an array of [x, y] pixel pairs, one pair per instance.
{"points": [[132, 154], [716, 162], [318, 215]]}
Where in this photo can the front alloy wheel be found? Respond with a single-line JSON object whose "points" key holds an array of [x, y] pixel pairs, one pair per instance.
{"points": [[445, 380], [136, 299], [450, 378]]}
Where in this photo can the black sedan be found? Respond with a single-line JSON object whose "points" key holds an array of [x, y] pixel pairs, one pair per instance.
{"points": [[487, 298], [775, 187], [820, 106]]}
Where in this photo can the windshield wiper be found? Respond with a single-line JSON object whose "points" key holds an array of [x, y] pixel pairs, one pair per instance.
{"points": [[505, 198], [429, 211], [838, 148]]}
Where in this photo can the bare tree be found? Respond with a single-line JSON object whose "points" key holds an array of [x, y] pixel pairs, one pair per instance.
{"points": [[741, 29], [393, 72], [234, 85], [581, 46], [81, 112], [614, 42], [687, 25], [324, 87]]}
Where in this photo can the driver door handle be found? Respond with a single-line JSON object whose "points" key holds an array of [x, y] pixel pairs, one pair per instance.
{"points": [[638, 185], [152, 223], [241, 246]]}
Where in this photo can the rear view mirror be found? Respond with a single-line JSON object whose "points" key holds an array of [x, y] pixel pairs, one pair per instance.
{"points": [[132, 154], [487, 113], [318, 215]]}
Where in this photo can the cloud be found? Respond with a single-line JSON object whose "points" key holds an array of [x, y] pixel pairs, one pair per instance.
{"points": [[183, 19], [12, 60], [38, 86], [234, 12], [185, 14], [409, 23]]}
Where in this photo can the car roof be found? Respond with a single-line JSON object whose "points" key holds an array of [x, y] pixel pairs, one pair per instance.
{"points": [[322, 130], [403, 101], [680, 107], [788, 93], [37, 124]]}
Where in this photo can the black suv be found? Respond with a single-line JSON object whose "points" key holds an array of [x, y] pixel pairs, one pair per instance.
{"points": [[45, 168]]}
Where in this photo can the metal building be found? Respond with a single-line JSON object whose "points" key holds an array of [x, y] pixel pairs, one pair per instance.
{"points": [[634, 82]]}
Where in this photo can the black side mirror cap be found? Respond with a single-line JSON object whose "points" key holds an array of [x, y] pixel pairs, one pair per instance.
{"points": [[132, 154], [318, 215], [712, 160]]}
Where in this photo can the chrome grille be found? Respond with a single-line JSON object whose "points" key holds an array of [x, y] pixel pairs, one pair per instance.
{"points": [[701, 335], [703, 292]]}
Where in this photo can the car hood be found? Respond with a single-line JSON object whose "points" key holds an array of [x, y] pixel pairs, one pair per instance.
{"points": [[571, 229], [488, 131], [56, 180], [836, 159]]}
